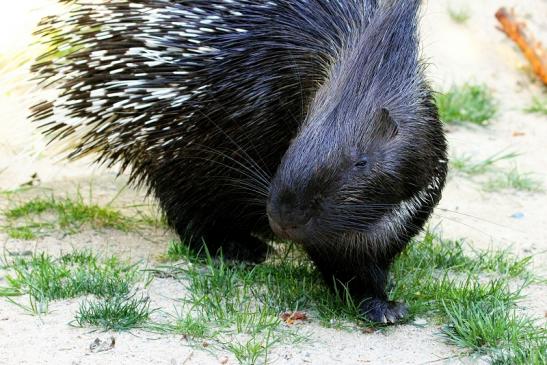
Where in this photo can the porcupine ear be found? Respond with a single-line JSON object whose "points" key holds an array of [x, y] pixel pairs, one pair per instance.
{"points": [[383, 125]]}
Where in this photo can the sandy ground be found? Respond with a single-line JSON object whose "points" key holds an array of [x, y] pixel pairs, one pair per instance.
{"points": [[474, 52]]}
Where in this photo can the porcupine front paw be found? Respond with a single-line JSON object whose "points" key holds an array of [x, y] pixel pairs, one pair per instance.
{"points": [[383, 311]]}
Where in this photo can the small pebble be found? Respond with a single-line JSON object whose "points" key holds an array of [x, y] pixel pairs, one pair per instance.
{"points": [[223, 359], [100, 345], [21, 253], [518, 215], [419, 322]]}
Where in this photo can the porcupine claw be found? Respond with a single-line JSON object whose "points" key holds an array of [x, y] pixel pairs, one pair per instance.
{"points": [[381, 311]]}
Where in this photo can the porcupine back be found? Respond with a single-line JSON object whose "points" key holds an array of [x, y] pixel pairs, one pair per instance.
{"points": [[190, 96]]}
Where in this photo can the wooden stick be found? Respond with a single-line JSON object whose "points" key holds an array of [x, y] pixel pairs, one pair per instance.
{"points": [[531, 48]]}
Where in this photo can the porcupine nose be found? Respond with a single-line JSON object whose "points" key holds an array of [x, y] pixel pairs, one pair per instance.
{"points": [[288, 221]]}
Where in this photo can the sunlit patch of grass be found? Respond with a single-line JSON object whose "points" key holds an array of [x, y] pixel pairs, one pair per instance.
{"points": [[22, 232], [473, 295], [538, 106], [501, 179], [437, 277], [42, 215], [238, 305], [71, 214], [45, 278], [513, 180], [276, 286], [459, 15], [433, 252], [468, 165], [192, 326], [533, 351], [467, 104], [491, 327]]}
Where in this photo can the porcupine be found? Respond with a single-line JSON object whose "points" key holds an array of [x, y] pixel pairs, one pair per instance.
{"points": [[311, 119]]}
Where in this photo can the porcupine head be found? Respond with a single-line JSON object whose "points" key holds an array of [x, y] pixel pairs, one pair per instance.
{"points": [[369, 162]]}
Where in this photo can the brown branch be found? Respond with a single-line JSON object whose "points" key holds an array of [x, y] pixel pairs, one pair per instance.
{"points": [[531, 48]]}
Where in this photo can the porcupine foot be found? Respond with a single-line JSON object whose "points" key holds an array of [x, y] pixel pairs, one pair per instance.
{"points": [[366, 282], [375, 305], [383, 311]]}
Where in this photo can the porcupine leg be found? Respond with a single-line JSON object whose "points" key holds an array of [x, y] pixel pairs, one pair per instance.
{"points": [[232, 246], [375, 304], [241, 247], [366, 282]]}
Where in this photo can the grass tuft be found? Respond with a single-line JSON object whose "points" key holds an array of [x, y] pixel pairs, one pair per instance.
{"points": [[188, 323], [485, 326], [28, 220], [467, 165], [473, 294], [460, 15], [239, 306], [467, 104], [532, 351], [44, 278], [538, 106], [190, 326], [249, 352], [23, 232], [177, 250], [515, 180], [502, 179], [117, 313], [434, 253]]}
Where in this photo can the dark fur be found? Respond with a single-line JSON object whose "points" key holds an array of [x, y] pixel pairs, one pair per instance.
{"points": [[329, 96]]}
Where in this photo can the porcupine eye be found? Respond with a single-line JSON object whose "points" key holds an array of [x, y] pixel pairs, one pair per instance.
{"points": [[362, 162]]}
